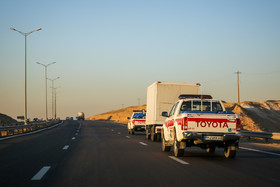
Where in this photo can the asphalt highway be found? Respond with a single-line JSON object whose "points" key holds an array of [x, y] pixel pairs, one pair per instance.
{"points": [[101, 153]]}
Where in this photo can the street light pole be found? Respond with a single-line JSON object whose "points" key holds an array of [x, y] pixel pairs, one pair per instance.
{"points": [[46, 87], [55, 101], [53, 94], [25, 70]]}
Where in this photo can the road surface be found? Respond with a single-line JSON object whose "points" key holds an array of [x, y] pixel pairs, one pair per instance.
{"points": [[101, 153]]}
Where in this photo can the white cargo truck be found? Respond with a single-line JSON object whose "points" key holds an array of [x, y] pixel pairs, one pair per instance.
{"points": [[160, 97]]}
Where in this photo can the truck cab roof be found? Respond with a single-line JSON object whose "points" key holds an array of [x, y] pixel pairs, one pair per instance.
{"points": [[194, 96]]}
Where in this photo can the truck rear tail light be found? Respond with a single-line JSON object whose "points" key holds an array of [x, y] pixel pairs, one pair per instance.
{"points": [[238, 125], [185, 123]]}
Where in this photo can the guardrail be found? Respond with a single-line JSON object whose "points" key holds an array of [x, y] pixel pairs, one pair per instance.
{"points": [[265, 135], [21, 129]]}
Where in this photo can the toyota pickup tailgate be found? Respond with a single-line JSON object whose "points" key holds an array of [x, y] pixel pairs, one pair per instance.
{"points": [[218, 123], [138, 121]]}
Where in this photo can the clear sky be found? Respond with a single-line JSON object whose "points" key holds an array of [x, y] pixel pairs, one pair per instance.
{"points": [[108, 52]]}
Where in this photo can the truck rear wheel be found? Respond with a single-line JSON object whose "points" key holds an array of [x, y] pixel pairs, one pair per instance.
{"points": [[148, 136], [176, 148], [158, 137], [153, 135], [164, 146], [230, 151]]}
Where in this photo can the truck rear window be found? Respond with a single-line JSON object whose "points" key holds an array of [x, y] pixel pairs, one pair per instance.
{"points": [[207, 106], [139, 116]]}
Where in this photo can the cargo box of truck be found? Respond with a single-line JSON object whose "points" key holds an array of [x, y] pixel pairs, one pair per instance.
{"points": [[160, 97]]}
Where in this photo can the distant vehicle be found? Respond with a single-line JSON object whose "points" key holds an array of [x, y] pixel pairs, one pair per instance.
{"points": [[35, 119], [160, 97], [80, 116], [71, 118], [136, 122], [67, 118], [199, 120]]}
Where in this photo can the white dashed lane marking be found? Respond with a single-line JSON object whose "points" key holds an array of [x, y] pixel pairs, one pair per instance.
{"points": [[65, 147], [41, 173], [178, 160], [127, 136], [143, 143], [73, 138]]}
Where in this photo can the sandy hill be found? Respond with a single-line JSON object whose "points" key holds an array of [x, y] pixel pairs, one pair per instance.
{"points": [[119, 116], [258, 116], [6, 120], [255, 116]]}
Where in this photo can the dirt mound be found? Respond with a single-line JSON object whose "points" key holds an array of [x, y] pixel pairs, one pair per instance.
{"points": [[119, 116], [255, 116], [6, 120]]}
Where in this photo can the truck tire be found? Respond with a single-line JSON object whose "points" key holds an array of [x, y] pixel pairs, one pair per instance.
{"points": [[176, 148], [230, 151], [165, 147], [148, 136], [153, 135], [158, 137]]}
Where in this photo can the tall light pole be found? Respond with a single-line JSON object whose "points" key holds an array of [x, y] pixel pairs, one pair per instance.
{"points": [[53, 94], [25, 71], [55, 101], [46, 82]]}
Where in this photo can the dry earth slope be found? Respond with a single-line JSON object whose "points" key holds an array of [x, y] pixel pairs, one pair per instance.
{"points": [[255, 116], [6, 120]]}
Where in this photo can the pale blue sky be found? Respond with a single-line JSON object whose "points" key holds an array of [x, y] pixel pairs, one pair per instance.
{"points": [[108, 52]]}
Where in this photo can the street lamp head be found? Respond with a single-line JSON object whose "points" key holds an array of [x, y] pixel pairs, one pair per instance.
{"points": [[38, 29], [12, 29], [37, 62], [53, 62]]}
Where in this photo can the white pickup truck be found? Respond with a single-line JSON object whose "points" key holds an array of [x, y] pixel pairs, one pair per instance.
{"points": [[199, 120], [136, 122]]}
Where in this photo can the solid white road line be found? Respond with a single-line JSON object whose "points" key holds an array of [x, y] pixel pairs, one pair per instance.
{"points": [[143, 143], [65, 147], [266, 152], [178, 160], [112, 130], [41, 173], [119, 133]]}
